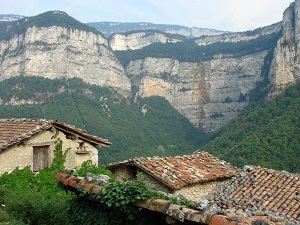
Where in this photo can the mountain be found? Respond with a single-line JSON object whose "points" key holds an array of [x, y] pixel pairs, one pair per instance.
{"points": [[10, 17], [265, 134], [149, 127], [110, 28], [208, 80]]}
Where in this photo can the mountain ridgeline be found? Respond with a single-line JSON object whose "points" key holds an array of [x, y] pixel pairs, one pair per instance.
{"points": [[150, 82], [110, 28]]}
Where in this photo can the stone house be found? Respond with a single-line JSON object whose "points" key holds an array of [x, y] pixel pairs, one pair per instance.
{"points": [[193, 176], [30, 142]]}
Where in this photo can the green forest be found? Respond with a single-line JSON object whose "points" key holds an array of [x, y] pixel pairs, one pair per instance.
{"points": [[265, 134], [161, 131]]}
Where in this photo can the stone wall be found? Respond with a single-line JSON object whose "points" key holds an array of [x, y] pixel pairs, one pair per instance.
{"points": [[22, 155], [192, 192], [122, 173], [198, 191], [152, 182]]}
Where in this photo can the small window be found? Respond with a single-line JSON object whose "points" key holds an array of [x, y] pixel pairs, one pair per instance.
{"points": [[132, 172], [40, 157]]}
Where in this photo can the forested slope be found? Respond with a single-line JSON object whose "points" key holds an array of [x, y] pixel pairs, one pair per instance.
{"points": [[266, 134], [158, 130]]}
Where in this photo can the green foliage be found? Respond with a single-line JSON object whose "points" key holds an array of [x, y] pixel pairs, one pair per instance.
{"points": [[36, 198], [47, 19], [189, 51], [7, 219], [265, 134], [88, 166], [84, 211], [121, 195], [95, 109], [115, 204], [60, 156]]}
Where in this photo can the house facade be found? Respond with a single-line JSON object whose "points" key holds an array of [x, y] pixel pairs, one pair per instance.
{"points": [[31, 142], [193, 176]]}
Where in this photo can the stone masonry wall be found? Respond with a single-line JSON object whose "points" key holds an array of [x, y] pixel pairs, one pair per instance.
{"points": [[22, 155]]}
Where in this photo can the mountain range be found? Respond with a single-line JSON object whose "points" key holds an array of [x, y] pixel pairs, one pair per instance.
{"points": [[110, 28], [208, 80]]}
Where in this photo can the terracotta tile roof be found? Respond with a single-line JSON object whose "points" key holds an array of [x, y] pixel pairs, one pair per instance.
{"points": [[208, 216], [261, 191], [179, 171], [14, 131]]}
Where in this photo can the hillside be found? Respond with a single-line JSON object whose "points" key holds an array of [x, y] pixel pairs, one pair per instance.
{"points": [[47, 19], [265, 134], [208, 80], [149, 127]]}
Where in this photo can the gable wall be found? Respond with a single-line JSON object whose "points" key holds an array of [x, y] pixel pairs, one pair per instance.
{"points": [[192, 192], [22, 155], [198, 191], [150, 181], [122, 173]]}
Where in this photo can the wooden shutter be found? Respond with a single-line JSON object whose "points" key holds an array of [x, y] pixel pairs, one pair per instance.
{"points": [[40, 157]]}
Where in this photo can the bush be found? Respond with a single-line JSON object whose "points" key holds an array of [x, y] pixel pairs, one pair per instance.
{"points": [[34, 208]]}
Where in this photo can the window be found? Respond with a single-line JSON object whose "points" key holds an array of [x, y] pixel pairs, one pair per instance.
{"points": [[40, 157]]}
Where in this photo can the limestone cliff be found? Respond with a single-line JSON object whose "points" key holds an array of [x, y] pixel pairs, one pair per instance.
{"points": [[240, 36], [209, 94], [285, 68], [138, 40], [55, 52]]}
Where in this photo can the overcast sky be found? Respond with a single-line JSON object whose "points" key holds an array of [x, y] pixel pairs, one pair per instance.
{"points": [[228, 15]]}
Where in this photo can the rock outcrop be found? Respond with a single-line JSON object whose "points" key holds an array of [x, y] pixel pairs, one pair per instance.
{"points": [[56, 52], [285, 68], [209, 93], [240, 36], [138, 40]]}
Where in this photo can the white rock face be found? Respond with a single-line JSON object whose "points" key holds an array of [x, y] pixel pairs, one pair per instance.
{"points": [[236, 37], [209, 94], [194, 32], [285, 68], [138, 40], [56, 52]]}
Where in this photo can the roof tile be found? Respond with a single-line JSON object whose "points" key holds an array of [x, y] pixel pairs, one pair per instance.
{"points": [[179, 171], [260, 189], [14, 131]]}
